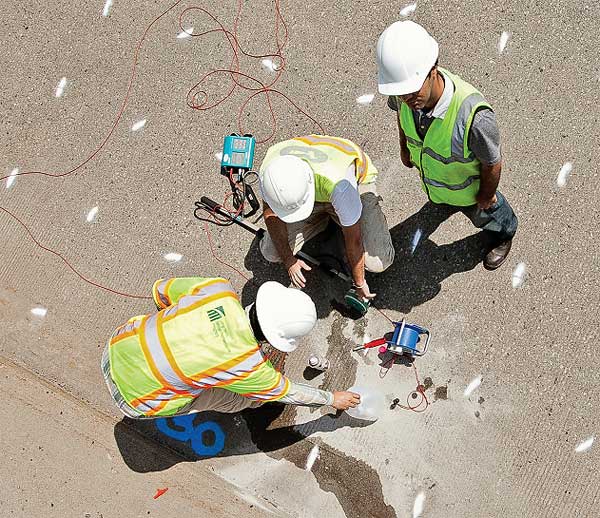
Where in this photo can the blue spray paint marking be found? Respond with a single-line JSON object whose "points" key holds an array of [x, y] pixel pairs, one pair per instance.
{"points": [[187, 432]]}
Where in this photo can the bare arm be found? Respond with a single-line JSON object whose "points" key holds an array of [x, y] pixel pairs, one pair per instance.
{"points": [[355, 252], [489, 179], [279, 234], [404, 152]]}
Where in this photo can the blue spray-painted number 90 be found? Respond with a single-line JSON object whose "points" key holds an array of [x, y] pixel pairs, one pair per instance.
{"points": [[186, 431]]}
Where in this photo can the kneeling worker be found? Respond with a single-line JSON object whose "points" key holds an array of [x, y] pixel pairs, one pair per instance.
{"points": [[201, 352], [306, 180]]}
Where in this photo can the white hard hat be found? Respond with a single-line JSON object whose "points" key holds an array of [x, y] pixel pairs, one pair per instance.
{"points": [[405, 54], [287, 185], [284, 315]]}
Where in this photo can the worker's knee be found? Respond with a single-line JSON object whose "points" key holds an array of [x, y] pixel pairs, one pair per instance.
{"points": [[268, 250], [379, 263]]}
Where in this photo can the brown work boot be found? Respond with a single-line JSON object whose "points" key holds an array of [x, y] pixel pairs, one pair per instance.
{"points": [[497, 255]]}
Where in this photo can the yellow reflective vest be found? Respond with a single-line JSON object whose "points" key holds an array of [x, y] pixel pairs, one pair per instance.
{"points": [[329, 159], [449, 169], [200, 339]]}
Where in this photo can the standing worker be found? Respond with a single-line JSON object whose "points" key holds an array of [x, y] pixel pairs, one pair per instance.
{"points": [[448, 132], [201, 351], [305, 181]]}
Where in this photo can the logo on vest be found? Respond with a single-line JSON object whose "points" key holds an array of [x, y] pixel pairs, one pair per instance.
{"points": [[216, 313]]}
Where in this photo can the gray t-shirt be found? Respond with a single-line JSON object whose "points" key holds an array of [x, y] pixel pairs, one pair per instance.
{"points": [[484, 137]]}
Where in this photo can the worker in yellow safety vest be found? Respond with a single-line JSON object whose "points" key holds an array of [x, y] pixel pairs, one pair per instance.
{"points": [[449, 133], [307, 180], [201, 351]]}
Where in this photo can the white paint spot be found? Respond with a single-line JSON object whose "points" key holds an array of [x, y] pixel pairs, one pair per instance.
{"points": [[312, 457], [269, 64], [12, 178], [585, 445], [61, 87], [419, 505], [173, 257], [415, 241], [91, 215], [564, 173], [39, 311], [408, 10], [471, 387], [107, 7], [518, 275], [185, 33], [504, 37], [365, 99], [219, 156], [138, 125]]}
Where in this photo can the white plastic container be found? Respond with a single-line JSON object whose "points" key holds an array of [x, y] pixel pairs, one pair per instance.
{"points": [[372, 404]]}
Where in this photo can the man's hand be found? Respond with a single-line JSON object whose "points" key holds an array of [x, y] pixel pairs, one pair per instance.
{"points": [[295, 272], [405, 156], [485, 202], [345, 400], [364, 291]]}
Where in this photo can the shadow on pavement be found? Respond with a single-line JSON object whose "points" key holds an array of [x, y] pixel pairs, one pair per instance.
{"points": [[416, 276], [224, 436], [211, 434]]}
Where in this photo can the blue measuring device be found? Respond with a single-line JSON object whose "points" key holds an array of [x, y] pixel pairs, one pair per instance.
{"points": [[236, 165], [238, 152]]}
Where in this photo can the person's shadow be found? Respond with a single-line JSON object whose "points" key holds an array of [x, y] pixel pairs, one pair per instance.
{"points": [[212, 434], [421, 265], [419, 268]]}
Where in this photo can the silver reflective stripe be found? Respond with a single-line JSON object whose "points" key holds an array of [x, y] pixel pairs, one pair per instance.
{"points": [[247, 365], [160, 359], [160, 289], [127, 327], [413, 141], [450, 160], [202, 293], [273, 393], [456, 187], [458, 133]]}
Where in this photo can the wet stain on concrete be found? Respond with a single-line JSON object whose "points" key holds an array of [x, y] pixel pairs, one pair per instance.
{"points": [[427, 383], [352, 481], [441, 393], [342, 373]]}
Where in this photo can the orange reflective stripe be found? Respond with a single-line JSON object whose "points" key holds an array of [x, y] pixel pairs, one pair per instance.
{"points": [[210, 283], [361, 166], [315, 140], [122, 336], [157, 408], [196, 305], [273, 393]]}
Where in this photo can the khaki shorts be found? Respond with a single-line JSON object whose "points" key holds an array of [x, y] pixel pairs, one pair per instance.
{"points": [[377, 242]]}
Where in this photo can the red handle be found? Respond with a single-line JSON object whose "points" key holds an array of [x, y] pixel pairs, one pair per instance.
{"points": [[375, 343]]}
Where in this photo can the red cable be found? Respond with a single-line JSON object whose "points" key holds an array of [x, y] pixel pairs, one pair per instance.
{"points": [[58, 254], [234, 72]]}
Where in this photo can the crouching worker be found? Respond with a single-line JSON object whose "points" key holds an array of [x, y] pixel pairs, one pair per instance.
{"points": [[201, 351], [306, 181]]}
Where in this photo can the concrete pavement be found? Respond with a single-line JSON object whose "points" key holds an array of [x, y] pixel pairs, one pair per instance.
{"points": [[507, 450]]}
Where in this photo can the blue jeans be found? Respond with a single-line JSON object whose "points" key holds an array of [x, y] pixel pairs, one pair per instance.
{"points": [[499, 220]]}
